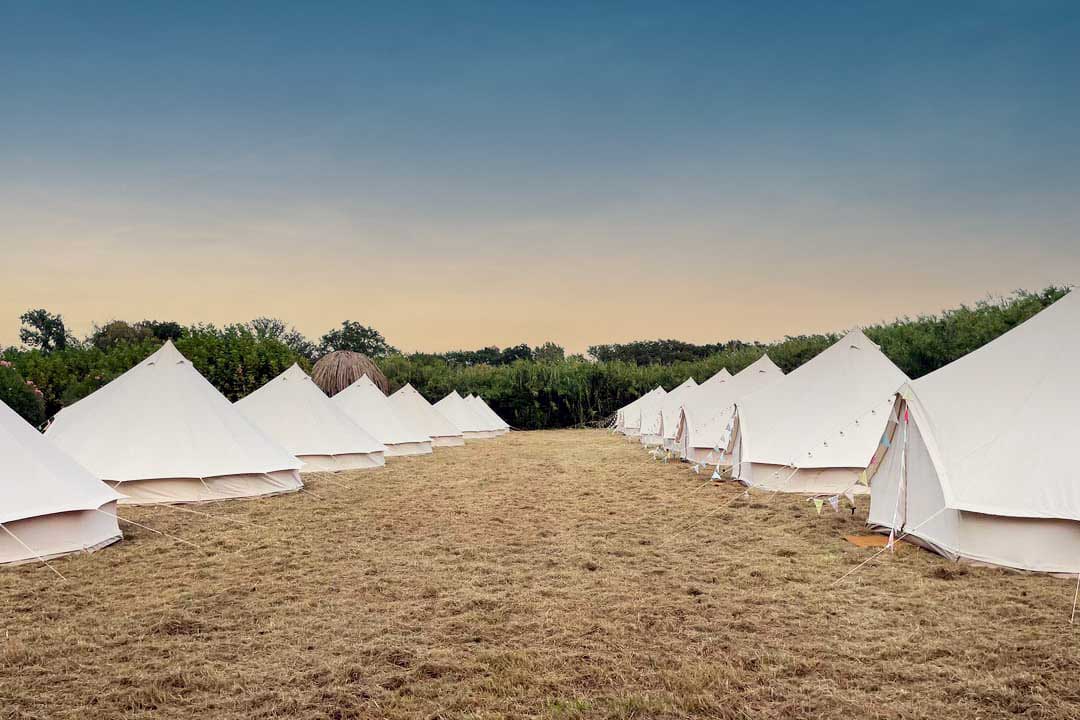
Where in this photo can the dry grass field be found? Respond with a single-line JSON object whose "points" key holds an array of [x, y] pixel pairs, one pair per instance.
{"points": [[545, 575]]}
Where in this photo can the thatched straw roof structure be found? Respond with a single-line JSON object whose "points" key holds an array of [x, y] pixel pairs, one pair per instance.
{"points": [[338, 370]]}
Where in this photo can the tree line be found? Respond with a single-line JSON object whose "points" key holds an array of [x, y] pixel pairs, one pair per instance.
{"points": [[531, 387]]}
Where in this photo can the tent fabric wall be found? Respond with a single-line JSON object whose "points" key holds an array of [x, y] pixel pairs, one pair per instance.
{"points": [[707, 414], [161, 422], [483, 410], [472, 426], [57, 534], [668, 412], [421, 414], [632, 413], [366, 405], [494, 415], [487, 421], [979, 464], [297, 414], [825, 419], [48, 502], [919, 510], [651, 424], [341, 463], [209, 489]]}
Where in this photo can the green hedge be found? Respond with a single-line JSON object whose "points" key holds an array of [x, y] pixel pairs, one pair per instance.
{"points": [[526, 392], [234, 359], [574, 392]]}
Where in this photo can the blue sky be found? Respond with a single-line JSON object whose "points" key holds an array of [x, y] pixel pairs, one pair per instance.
{"points": [[460, 174]]}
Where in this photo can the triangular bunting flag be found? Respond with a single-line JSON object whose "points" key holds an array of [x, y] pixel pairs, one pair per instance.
{"points": [[716, 475], [834, 503], [818, 504], [862, 479]]}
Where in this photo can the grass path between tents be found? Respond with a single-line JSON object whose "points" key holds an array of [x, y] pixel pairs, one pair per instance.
{"points": [[560, 574]]}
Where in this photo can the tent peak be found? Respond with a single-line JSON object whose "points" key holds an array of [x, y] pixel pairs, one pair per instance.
{"points": [[857, 339], [164, 354]]}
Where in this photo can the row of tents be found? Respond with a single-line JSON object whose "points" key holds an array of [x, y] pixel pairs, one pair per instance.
{"points": [[161, 433], [974, 461]]}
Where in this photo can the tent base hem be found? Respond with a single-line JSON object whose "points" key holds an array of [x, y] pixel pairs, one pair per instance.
{"points": [[806, 481], [59, 534], [338, 463], [410, 448], [197, 490]]}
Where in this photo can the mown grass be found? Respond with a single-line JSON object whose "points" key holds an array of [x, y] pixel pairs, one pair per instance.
{"points": [[560, 574]]}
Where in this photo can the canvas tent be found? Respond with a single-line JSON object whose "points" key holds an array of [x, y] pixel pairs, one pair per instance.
{"points": [[980, 461], [418, 412], [705, 421], [814, 430], [652, 412], [628, 419], [49, 504], [161, 433], [484, 410], [465, 417], [487, 422], [368, 407], [671, 410], [671, 421], [296, 413]]}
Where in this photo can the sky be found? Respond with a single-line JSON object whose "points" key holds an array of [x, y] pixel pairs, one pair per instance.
{"points": [[490, 173]]}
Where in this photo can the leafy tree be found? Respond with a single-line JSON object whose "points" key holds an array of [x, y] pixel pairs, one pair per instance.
{"points": [[117, 331], [356, 337], [274, 329], [44, 331], [21, 395], [647, 352], [517, 352], [163, 330], [549, 352], [490, 355], [234, 359]]}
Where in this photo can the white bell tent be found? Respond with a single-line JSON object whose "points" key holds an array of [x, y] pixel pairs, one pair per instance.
{"points": [[484, 410], [630, 416], [704, 423], [365, 403], [652, 413], [978, 462], [296, 413], [49, 504], [815, 430], [671, 413], [161, 433], [418, 412], [472, 425]]}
